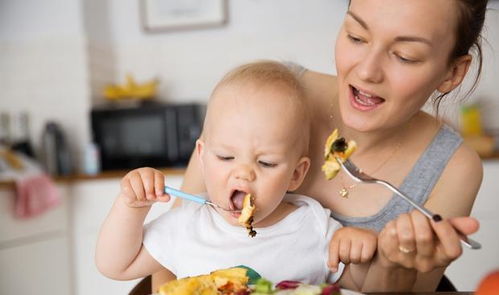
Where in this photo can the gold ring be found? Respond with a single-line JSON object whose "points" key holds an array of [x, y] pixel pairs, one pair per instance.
{"points": [[405, 250]]}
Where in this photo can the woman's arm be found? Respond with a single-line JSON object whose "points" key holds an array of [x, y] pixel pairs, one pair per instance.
{"points": [[453, 196], [192, 183]]}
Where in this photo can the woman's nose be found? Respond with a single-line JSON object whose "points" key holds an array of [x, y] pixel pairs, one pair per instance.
{"points": [[370, 68], [244, 172]]}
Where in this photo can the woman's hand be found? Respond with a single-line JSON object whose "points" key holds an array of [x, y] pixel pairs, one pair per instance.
{"points": [[413, 241], [142, 187]]}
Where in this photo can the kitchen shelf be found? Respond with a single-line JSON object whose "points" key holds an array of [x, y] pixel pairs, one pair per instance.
{"points": [[102, 175]]}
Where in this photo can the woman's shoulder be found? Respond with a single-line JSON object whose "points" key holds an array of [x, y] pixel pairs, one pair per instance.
{"points": [[458, 185], [321, 89]]}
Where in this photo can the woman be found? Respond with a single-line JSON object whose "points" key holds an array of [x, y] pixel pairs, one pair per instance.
{"points": [[391, 57]]}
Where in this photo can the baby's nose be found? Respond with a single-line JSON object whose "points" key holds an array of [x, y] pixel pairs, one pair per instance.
{"points": [[245, 172]]}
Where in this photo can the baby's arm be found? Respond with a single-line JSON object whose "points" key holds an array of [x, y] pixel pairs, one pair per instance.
{"points": [[120, 254]]}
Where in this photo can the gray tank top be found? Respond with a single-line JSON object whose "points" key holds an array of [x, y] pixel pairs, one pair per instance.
{"points": [[418, 184]]}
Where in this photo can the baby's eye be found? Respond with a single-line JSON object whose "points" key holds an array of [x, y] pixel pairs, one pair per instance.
{"points": [[267, 164], [225, 158]]}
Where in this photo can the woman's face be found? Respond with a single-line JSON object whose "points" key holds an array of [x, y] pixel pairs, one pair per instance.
{"points": [[391, 55]]}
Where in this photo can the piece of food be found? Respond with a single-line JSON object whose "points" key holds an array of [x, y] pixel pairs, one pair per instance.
{"points": [[238, 281], [247, 213], [226, 281], [336, 148]]}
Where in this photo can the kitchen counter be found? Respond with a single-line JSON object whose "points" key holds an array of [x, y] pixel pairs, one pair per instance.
{"points": [[102, 175]]}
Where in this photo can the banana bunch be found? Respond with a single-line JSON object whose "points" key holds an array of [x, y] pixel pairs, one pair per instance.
{"points": [[131, 90]]}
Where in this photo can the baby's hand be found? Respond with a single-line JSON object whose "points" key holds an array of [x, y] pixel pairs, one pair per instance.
{"points": [[351, 245], [142, 187]]}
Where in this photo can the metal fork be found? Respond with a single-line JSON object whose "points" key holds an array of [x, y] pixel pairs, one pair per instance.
{"points": [[197, 199], [354, 172]]}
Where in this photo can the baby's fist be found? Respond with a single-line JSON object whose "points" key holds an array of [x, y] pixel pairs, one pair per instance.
{"points": [[142, 187]]}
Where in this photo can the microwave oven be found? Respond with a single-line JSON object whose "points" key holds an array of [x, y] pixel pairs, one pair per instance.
{"points": [[152, 134]]}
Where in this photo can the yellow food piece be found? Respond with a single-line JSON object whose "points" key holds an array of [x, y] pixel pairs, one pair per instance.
{"points": [[246, 217], [212, 284], [131, 89], [331, 167]]}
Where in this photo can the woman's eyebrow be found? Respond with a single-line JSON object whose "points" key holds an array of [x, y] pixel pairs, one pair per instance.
{"points": [[358, 19], [413, 39], [398, 39]]}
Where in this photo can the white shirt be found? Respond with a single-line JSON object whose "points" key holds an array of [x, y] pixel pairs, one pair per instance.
{"points": [[194, 240]]}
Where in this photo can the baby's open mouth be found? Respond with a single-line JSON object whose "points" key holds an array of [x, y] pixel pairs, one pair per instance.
{"points": [[236, 200]]}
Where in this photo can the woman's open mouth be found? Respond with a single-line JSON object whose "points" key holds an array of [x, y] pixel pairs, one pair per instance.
{"points": [[364, 101]]}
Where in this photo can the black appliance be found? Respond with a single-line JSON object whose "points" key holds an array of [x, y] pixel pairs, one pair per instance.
{"points": [[152, 134]]}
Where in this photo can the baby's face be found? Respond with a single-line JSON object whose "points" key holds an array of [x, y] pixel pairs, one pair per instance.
{"points": [[250, 146]]}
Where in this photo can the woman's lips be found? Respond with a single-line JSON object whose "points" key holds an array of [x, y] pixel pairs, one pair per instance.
{"points": [[363, 101]]}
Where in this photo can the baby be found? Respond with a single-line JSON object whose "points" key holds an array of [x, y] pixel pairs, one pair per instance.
{"points": [[255, 140]]}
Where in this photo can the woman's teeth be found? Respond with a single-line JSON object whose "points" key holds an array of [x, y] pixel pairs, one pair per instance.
{"points": [[365, 99]]}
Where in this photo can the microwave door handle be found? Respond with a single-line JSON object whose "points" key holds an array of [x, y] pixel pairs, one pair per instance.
{"points": [[183, 195]]}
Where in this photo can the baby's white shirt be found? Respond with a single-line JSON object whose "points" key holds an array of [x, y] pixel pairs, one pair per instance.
{"points": [[194, 240]]}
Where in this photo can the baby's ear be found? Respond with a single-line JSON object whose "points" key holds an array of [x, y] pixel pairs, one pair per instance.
{"points": [[299, 173], [200, 150]]}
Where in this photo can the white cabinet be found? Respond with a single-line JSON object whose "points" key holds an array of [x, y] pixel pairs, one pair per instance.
{"points": [[34, 252], [90, 203]]}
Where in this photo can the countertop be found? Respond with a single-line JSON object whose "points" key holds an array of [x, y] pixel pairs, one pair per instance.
{"points": [[102, 175]]}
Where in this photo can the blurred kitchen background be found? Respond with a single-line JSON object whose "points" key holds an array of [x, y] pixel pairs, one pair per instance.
{"points": [[58, 56]]}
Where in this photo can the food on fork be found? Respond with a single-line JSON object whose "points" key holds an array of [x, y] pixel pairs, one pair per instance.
{"points": [[246, 217], [336, 147]]}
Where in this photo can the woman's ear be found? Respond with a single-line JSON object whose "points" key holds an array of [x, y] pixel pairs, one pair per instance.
{"points": [[456, 74], [299, 173]]}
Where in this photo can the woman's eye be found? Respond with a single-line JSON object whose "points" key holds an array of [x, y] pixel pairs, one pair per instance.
{"points": [[355, 39], [267, 164], [225, 158], [405, 59]]}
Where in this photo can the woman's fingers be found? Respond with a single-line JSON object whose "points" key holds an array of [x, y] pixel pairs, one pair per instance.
{"points": [[405, 231], [465, 225], [425, 241], [449, 241]]}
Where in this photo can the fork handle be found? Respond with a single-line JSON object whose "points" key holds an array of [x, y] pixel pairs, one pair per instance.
{"points": [[183, 195], [468, 242]]}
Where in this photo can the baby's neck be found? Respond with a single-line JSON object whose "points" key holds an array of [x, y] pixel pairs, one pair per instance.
{"points": [[284, 209]]}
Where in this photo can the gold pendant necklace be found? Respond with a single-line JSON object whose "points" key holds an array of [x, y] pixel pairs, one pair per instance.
{"points": [[344, 192]]}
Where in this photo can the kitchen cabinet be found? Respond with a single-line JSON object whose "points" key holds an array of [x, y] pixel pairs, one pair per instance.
{"points": [[34, 253], [90, 204]]}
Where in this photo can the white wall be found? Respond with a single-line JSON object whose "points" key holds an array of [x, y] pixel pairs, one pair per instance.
{"points": [[190, 62], [43, 65]]}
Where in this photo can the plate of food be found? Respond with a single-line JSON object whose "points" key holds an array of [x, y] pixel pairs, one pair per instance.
{"points": [[242, 280]]}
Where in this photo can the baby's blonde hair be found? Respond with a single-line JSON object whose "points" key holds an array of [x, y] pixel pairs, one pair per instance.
{"points": [[266, 73]]}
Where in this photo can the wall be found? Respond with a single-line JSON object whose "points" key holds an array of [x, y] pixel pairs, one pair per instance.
{"points": [[43, 65]]}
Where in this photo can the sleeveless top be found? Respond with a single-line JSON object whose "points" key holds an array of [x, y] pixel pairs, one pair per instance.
{"points": [[418, 184]]}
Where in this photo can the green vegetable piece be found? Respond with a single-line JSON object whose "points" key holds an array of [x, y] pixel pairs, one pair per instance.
{"points": [[263, 286], [252, 274]]}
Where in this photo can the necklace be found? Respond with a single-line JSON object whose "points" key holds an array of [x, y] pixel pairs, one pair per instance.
{"points": [[344, 192]]}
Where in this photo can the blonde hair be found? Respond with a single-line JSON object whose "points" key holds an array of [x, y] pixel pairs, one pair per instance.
{"points": [[267, 73]]}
